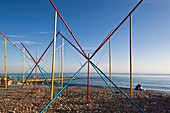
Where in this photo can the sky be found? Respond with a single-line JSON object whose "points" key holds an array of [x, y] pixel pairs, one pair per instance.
{"points": [[31, 22]]}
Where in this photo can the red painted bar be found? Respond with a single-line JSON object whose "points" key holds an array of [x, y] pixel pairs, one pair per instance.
{"points": [[68, 28], [15, 45], [114, 30], [73, 46], [29, 53], [46, 49], [88, 82]]}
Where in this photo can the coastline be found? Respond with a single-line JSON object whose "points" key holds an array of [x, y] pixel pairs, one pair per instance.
{"points": [[73, 99]]}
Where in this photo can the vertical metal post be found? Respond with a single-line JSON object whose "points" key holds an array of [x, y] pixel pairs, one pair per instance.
{"points": [[36, 69], [131, 90], [62, 62], [23, 65], [110, 59], [53, 56], [88, 82], [59, 63], [5, 65]]}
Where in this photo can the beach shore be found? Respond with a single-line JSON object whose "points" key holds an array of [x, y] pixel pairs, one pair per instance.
{"points": [[73, 100]]}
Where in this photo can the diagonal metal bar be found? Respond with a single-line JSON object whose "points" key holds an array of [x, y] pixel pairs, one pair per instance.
{"points": [[104, 79], [46, 49], [84, 54], [47, 81], [29, 53], [127, 97], [14, 83], [52, 52], [114, 30], [11, 86], [43, 76], [56, 95], [73, 46], [28, 76], [50, 75], [15, 45]]}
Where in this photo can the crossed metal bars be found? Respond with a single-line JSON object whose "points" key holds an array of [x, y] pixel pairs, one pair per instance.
{"points": [[98, 71]]}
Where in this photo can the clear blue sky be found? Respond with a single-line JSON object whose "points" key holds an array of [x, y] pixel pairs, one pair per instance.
{"points": [[31, 22]]}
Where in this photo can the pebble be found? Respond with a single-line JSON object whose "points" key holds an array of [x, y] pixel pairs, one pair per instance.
{"points": [[73, 99]]}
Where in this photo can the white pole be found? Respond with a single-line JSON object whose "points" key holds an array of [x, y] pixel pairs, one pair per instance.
{"points": [[110, 59], [62, 62]]}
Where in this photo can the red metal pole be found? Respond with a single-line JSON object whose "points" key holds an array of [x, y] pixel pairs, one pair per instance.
{"points": [[114, 30], [68, 27], [29, 53], [73, 46], [88, 82], [35, 70]]}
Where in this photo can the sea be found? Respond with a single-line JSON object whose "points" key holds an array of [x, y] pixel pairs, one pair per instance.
{"points": [[155, 82]]}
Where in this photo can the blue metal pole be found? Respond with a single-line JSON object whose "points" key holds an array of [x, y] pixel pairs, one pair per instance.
{"points": [[50, 75], [44, 77], [104, 79], [132, 102], [10, 86], [56, 95], [28, 76], [14, 83]]}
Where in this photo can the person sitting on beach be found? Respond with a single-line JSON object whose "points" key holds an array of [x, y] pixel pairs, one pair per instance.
{"points": [[138, 87]]}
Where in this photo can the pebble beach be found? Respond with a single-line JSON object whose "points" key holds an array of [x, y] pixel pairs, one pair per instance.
{"points": [[73, 100]]}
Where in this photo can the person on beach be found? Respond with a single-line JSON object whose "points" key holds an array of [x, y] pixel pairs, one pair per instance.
{"points": [[138, 87]]}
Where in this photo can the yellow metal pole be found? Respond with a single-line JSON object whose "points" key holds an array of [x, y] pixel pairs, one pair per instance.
{"points": [[62, 62], [110, 59], [53, 56], [23, 65], [5, 65], [131, 90]]}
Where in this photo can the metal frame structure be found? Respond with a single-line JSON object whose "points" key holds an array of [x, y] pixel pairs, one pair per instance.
{"points": [[88, 98], [36, 64], [37, 61], [81, 51], [4, 91]]}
